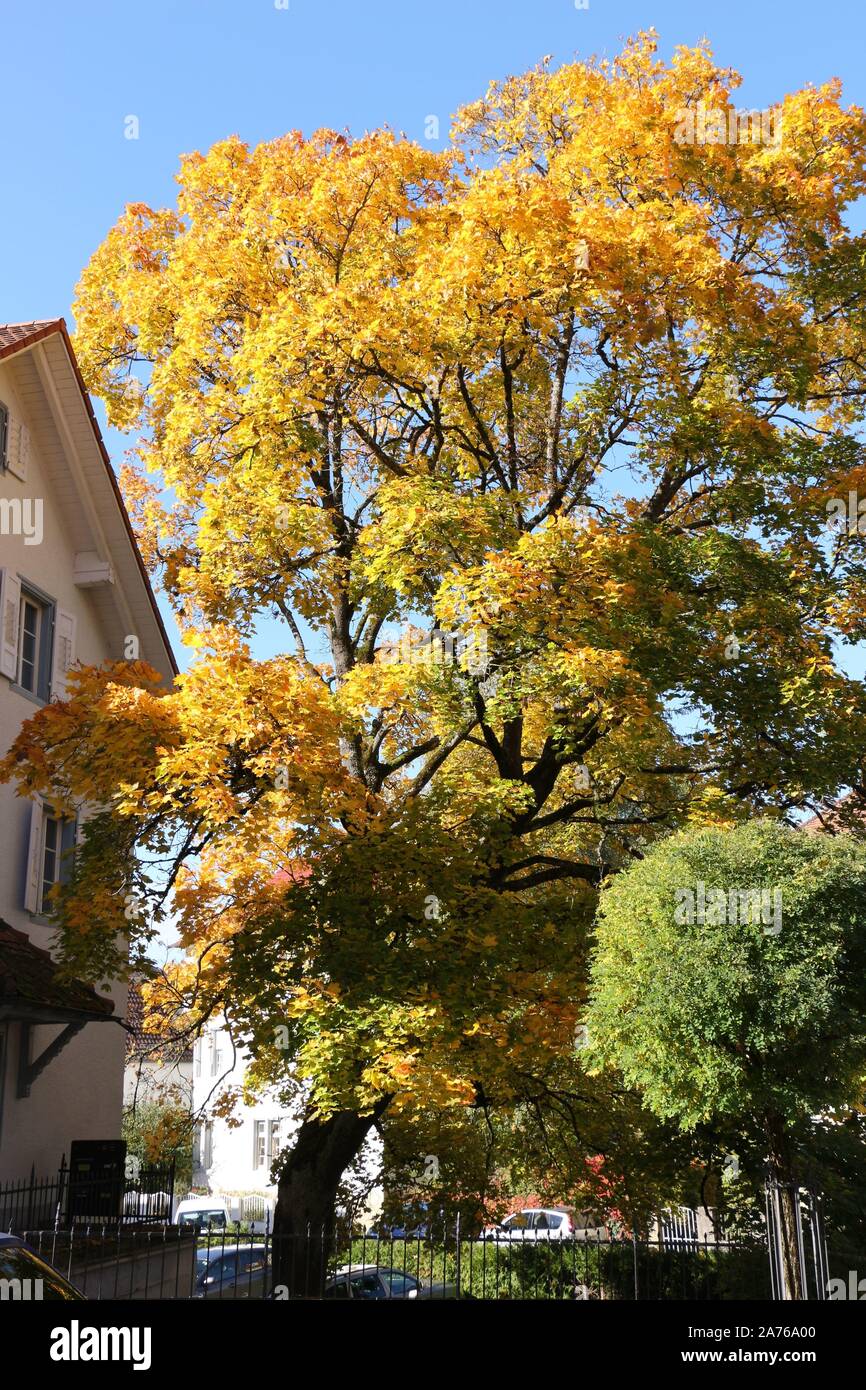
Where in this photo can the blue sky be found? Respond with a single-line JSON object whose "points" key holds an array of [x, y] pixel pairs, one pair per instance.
{"points": [[194, 71]]}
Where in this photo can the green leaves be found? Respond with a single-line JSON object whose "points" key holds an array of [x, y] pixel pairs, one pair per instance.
{"points": [[730, 973]]}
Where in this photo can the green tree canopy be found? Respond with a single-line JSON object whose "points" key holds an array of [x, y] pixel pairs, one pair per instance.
{"points": [[730, 1014]]}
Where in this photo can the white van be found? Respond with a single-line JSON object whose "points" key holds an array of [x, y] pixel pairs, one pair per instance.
{"points": [[203, 1214], [218, 1213]]}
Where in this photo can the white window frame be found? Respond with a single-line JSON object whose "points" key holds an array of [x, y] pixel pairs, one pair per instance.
{"points": [[55, 639], [275, 1141], [35, 892], [260, 1144], [26, 601]]}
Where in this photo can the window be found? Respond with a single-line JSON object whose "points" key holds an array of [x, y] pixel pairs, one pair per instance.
{"points": [[51, 857], [397, 1283], [4, 435], [252, 1259], [273, 1140], [367, 1286], [216, 1055], [207, 1143], [227, 1267], [518, 1222], [29, 625], [260, 1155], [540, 1222], [196, 1052], [35, 640]]}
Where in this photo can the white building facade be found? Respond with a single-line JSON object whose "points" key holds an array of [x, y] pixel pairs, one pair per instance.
{"points": [[235, 1160], [72, 589]]}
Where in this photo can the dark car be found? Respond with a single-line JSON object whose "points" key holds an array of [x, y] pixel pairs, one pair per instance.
{"points": [[238, 1272], [27, 1276], [372, 1282]]}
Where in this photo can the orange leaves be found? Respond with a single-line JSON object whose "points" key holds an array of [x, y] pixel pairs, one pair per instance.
{"points": [[529, 392]]}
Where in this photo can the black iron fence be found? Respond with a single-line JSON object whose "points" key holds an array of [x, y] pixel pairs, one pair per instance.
{"points": [[68, 1200], [171, 1262]]}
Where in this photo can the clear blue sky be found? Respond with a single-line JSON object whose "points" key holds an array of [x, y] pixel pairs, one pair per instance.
{"points": [[193, 71]]}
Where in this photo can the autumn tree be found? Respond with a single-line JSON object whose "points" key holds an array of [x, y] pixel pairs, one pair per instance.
{"points": [[574, 389]]}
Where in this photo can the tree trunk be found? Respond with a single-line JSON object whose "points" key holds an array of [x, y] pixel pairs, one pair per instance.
{"points": [[782, 1173], [306, 1198]]}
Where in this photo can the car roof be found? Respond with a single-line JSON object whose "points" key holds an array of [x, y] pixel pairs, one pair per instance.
{"points": [[548, 1211], [6, 1238], [371, 1269], [217, 1251]]}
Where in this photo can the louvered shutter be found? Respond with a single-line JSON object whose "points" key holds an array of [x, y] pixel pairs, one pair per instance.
{"points": [[64, 652], [18, 448], [33, 878], [10, 613]]}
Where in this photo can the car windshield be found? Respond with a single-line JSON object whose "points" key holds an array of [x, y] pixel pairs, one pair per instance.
{"points": [[202, 1218], [24, 1275]]}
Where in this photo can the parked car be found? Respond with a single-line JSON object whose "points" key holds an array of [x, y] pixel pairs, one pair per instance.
{"points": [[239, 1272], [381, 1232], [26, 1275], [373, 1282], [534, 1224], [202, 1214]]}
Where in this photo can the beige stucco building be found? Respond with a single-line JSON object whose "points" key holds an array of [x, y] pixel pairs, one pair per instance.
{"points": [[72, 589]]}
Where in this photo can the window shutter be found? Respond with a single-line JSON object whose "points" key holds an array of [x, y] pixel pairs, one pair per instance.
{"points": [[64, 652], [18, 448], [34, 858], [10, 609]]}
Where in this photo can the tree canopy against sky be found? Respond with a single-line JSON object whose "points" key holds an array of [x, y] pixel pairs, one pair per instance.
{"points": [[572, 388]]}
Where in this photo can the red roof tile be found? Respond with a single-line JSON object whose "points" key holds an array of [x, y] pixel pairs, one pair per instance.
{"points": [[155, 1046], [13, 336], [29, 977]]}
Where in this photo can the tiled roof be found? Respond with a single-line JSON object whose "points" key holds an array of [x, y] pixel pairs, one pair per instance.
{"points": [[15, 337], [28, 976], [155, 1046], [845, 814]]}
